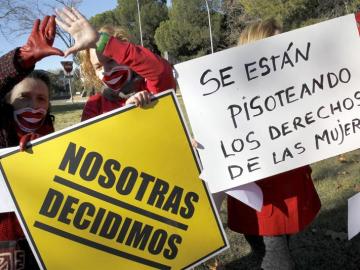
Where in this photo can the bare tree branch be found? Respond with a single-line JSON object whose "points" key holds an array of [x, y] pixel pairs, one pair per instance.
{"points": [[17, 17]]}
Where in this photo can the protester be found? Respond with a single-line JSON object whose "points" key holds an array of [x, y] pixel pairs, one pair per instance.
{"points": [[290, 199], [24, 115], [129, 73]]}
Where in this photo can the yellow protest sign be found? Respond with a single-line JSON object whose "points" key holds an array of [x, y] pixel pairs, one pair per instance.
{"points": [[117, 192]]}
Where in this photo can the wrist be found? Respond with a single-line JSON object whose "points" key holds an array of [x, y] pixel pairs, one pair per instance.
{"points": [[24, 59], [95, 41]]}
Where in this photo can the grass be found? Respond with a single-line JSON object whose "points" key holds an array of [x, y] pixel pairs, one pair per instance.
{"points": [[66, 114], [323, 245]]}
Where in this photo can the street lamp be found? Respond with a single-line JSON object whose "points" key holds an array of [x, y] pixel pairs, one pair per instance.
{"points": [[138, 8], [211, 39]]}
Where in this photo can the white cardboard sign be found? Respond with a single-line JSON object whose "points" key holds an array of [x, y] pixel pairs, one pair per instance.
{"points": [[276, 104], [353, 216], [6, 202]]}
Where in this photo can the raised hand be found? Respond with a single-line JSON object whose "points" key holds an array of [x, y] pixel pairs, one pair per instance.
{"points": [[71, 21], [39, 43]]}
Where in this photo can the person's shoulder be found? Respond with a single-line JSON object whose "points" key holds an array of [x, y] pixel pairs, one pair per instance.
{"points": [[93, 102], [94, 98], [93, 107]]}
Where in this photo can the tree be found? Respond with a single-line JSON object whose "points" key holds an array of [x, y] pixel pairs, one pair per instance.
{"points": [[17, 16], [57, 85], [152, 14], [234, 21], [317, 11], [186, 34], [10, 9], [105, 18], [125, 15], [297, 13], [77, 84]]}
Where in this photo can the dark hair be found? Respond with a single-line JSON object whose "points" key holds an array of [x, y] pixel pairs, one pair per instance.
{"points": [[42, 75]]}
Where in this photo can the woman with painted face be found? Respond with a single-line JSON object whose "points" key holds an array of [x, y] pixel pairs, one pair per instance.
{"points": [[26, 109], [24, 115], [129, 73]]}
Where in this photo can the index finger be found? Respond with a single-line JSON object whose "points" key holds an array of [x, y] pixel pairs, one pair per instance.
{"points": [[51, 28], [44, 24], [78, 14], [35, 26], [63, 25]]}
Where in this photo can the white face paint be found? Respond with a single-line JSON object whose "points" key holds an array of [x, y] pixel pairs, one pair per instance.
{"points": [[29, 119], [117, 77]]}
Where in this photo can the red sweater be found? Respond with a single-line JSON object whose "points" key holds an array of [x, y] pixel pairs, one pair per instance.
{"points": [[290, 204], [156, 71]]}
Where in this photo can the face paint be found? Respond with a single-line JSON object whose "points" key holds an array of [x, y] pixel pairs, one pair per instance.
{"points": [[117, 77], [29, 119]]}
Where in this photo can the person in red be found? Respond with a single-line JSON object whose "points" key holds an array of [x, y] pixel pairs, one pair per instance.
{"points": [[24, 115], [129, 73], [290, 200]]}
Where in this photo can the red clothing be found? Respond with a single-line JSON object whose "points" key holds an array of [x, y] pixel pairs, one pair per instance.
{"points": [[290, 204], [15, 252], [156, 71], [98, 104]]}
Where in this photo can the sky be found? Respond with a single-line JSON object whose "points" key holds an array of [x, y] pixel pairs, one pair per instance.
{"points": [[87, 8]]}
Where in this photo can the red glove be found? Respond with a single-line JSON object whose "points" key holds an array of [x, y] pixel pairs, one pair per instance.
{"points": [[39, 43], [27, 138]]}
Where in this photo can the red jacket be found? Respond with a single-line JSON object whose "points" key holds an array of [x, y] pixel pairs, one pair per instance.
{"points": [[156, 71], [290, 204]]}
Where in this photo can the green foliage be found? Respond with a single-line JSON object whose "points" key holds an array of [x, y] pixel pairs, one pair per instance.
{"points": [[233, 22], [152, 14], [317, 11], [186, 34], [108, 17], [56, 84], [279, 9], [297, 13], [291, 13], [125, 15], [76, 82]]}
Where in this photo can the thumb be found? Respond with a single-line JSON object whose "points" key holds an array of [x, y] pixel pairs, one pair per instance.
{"points": [[55, 51], [71, 50]]}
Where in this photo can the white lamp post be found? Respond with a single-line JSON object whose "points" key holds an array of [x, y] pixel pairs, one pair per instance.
{"points": [[211, 39], [138, 7]]}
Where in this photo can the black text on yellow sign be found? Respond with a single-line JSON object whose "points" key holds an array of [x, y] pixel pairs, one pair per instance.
{"points": [[119, 192]]}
